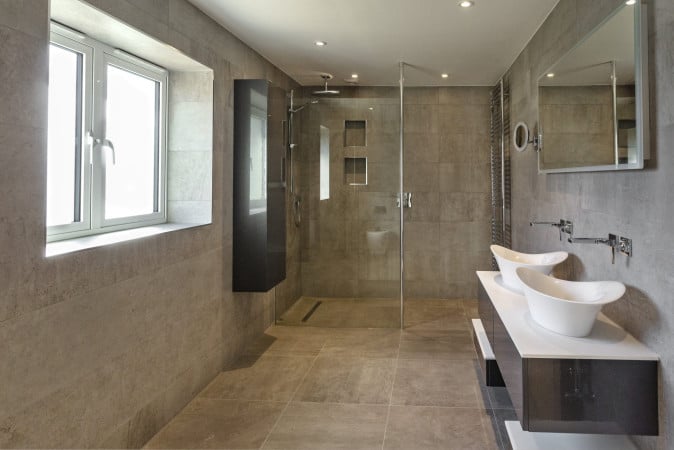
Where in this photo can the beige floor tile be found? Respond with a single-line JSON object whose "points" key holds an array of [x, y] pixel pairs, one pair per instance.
{"points": [[436, 344], [435, 318], [271, 378], [349, 313], [431, 428], [368, 343], [421, 303], [348, 380], [316, 426], [288, 341], [436, 383], [222, 424], [470, 309]]}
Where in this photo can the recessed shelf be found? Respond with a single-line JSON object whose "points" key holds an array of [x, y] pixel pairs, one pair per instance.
{"points": [[355, 171], [355, 133]]}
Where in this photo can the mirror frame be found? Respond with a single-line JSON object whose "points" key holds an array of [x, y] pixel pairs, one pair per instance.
{"points": [[640, 90], [525, 144]]}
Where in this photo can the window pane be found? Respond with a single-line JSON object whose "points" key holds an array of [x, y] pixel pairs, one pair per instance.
{"points": [[131, 124], [63, 137]]}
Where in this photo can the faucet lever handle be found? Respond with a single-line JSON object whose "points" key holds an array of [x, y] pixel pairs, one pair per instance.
{"points": [[613, 243]]}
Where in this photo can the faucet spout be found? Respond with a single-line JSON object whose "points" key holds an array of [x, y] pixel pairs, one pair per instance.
{"points": [[611, 241]]}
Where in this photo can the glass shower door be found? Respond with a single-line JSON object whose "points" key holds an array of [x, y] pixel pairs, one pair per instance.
{"points": [[347, 173]]}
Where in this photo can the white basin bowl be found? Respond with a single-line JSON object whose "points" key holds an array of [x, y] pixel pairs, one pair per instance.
{"points": [[566, 307], [509, 260]]}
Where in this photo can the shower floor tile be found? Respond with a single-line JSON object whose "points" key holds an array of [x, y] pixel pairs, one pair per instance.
{"points": [[343, 387]]}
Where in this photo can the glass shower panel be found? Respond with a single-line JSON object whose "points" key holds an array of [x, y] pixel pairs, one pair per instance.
{"points": [[350, 241]]}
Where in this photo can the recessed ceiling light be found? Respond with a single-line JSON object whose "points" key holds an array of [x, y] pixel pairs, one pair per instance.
{"points": [[320, 43], [466, 4], [550, 75], [445, 75], [631, 2], [354, 75], [371, 108]]}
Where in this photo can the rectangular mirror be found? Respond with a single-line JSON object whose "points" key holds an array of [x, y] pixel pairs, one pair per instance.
{"points": [[593, 102]]}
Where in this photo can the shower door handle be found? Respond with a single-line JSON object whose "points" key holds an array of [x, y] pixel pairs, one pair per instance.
{"points": [[407, 200]]}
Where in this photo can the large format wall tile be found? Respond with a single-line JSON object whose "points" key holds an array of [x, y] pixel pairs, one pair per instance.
{"points": [[636, 204], [102, 347]]}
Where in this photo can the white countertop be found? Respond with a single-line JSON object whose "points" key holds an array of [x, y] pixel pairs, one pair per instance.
{"points": [[607, 340]]}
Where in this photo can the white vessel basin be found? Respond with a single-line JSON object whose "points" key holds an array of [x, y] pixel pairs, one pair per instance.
{"points": [[509, 260], [566, 307]]}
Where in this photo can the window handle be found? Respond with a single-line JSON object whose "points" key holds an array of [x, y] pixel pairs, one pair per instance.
{"points": [[107, 143]]}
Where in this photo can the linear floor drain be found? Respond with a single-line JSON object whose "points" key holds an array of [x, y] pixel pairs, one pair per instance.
{"points": [[313, 309]]}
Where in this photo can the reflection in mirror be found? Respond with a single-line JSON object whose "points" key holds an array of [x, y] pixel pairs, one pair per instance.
{"points": [[592, 102]]}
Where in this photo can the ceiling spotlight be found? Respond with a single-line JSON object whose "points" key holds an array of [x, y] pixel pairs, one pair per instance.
{"points": [[550, 75], [445, 75], [354, 75], [631, 2], [371, 108], [466, 4], [320, 43]]}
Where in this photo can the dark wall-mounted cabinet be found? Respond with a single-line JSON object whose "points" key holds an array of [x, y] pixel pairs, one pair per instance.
{"points": [[259, 228]]}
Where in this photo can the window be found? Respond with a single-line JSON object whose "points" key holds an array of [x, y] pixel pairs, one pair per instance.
{"points": [[324, 173], [106, 156]]}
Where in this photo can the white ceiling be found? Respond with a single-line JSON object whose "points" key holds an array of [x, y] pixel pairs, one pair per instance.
{"points": [[369, 37]]}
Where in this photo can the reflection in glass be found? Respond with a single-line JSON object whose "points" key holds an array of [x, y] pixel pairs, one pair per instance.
{"points": [[325, 164], [132, 114], [64, 136], [588, 100], [258, 163]]}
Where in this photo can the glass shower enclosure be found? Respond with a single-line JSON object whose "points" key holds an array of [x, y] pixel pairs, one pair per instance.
{"points": [[344, 176]]}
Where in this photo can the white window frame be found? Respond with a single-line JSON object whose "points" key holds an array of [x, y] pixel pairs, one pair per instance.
{"points": [[97, 57], [85, 173]]}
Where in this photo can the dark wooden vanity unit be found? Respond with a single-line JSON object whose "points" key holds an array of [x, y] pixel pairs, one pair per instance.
{"points": [[605, 383]]}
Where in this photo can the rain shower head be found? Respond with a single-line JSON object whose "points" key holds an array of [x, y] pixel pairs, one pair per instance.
{"points": [[325, 90]]}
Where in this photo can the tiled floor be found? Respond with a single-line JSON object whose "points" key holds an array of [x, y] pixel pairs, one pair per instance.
{"points": [[344, 313], [352, 388]]}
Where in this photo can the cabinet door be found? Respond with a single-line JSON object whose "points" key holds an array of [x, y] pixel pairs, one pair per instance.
{"points": [[259, 194]]}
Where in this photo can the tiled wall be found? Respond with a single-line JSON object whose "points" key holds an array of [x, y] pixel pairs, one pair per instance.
{"points": [[447, 230], [446, 168], [336, 259], [102, 347], [636, 204], [578, 124]]}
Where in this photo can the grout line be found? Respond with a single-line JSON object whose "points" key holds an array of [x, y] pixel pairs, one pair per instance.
{"points": [[393, 385], [299, 385]]}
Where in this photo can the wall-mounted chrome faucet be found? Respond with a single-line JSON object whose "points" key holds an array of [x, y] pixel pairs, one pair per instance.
{"points": [[622, 244], [565, 226], [612, 242]]}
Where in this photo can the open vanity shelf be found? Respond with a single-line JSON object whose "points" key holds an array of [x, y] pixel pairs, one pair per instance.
{"points": [[605, 383]]}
